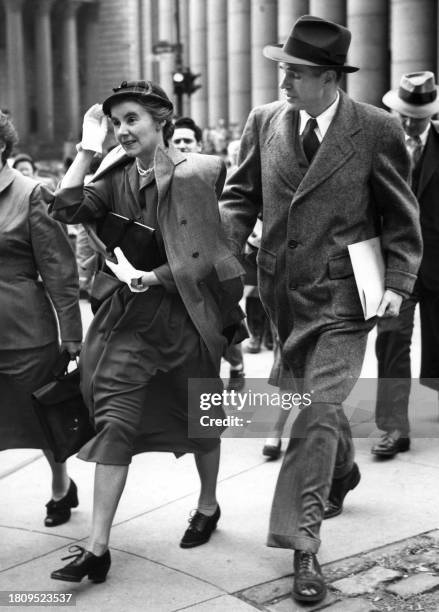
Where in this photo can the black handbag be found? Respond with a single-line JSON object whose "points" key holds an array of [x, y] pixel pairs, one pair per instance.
{"points": [[62, 413]]}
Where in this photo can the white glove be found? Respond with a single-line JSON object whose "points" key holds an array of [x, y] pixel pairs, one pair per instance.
{"points": [[94, 129], [125, 272]]}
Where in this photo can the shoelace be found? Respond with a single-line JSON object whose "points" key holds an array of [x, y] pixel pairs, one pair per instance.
{"points": [[194, 520], [79, 550], [306, 563]]}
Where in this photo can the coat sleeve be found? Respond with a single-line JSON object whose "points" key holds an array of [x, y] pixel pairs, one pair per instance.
{"points": [[56, 264], [241, 200], [401, 232], [82, 204]]}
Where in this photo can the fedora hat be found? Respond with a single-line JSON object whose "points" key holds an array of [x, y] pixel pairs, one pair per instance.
{"points": [[140, 90], [314, 42], [417, 95]]}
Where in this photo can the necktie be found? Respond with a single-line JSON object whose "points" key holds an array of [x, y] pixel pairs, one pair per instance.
{"points": [[310, 141], [414, 147]]}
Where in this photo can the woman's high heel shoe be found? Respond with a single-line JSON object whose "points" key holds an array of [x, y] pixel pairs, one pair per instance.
{"points": [[85, 563], [58, 512]]}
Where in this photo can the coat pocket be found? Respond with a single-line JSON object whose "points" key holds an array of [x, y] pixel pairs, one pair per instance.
{"points": [[266, 261], [345, 299]]}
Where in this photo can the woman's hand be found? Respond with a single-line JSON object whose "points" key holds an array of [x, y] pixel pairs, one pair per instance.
{"points": [[128, 274], [94, 129]]}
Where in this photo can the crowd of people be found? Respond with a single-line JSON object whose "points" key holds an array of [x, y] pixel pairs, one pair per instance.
{"points": [[311, 175]]}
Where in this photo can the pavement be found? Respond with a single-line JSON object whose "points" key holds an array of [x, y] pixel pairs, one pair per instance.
{"points": [[391, 515]]}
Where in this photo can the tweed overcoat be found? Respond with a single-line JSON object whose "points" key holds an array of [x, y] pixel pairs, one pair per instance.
{"points": [[206, 273], [355, 189]]}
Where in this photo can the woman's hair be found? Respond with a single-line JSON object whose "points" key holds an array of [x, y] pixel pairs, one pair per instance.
{"points": [[8, 136], [159, 113]]}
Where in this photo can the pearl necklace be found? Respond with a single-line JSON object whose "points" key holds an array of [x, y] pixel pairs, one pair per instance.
{"points": [[143, 172]]}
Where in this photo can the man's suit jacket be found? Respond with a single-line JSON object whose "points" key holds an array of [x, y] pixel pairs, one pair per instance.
{"points": [[37, 261], [355, 189], [427, 193]]}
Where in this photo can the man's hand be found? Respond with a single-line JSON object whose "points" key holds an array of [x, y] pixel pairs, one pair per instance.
{"points": [[94, 129], [390, 304], [124, 271], [71, 347]]}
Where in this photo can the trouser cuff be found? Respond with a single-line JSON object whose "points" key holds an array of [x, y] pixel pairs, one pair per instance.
{"points": [[299, 542]]}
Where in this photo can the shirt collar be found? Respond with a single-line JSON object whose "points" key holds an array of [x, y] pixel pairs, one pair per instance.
{"points": [[323, 120], [422, 136]]}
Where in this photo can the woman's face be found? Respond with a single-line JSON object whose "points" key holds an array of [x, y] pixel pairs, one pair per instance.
{"points": [[25, 168], [136, 130]]}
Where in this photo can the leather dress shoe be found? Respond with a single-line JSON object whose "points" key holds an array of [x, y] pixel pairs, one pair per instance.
{"points": [[200, 529], [272, 451], [309, 584], [339, 489], [84, 563], [58, 512], [390, 444], [236, 380]]}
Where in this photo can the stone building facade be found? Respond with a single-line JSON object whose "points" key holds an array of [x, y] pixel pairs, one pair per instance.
{"points": [[57, 57]]}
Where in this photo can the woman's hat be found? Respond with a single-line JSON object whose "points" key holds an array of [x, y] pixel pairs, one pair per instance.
{"points": [[23, 157], [314, 42], [416, 96], [142, 90]]}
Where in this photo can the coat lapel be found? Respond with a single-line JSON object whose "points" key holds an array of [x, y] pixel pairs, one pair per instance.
{"points": [[336, 148], [7, 175], [284, 130], [165, 161], [431, 158]]}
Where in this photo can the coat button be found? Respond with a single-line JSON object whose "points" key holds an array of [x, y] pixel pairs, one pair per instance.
{"points": [[196, 254], [292, 244], [293, 286], [183, 222]]}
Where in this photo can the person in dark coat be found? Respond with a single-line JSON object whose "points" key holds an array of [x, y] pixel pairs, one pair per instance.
{"points": [[416, 101], [37, 270], [326, 172], [154, 330]]}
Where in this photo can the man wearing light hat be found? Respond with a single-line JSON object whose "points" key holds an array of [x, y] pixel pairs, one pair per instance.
{"points": [[325, 172], [415, 101]]}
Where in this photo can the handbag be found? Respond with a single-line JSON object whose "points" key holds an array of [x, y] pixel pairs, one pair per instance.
{"points": [[62, 413]]}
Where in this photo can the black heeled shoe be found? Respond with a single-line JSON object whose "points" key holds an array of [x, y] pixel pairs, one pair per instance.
{"points": [[58, 512], [200, 529], [85, 563]]}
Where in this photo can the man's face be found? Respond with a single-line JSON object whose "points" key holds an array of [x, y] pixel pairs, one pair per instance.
{"points": [[413, 126], [304, 88], [184, 139]]}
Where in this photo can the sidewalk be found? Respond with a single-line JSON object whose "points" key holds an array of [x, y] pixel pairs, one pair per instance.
{"points": [[235, 571]]}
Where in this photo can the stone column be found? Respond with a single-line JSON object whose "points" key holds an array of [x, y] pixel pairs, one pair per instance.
{"points": [[217, 60], [333, 10], [18, 98], [413, 37], [44, 67], [368, 22], [71, 70], [167, 33], [185, 29], [288, 12], [239, 53], [263, 32], [92, 67], [198, 59]]}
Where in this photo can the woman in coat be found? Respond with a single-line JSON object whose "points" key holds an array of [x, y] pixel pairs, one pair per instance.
{"points": [[37, 263], [156, 329]]}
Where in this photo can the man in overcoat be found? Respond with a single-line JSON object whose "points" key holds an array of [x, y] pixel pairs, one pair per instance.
{"points": [[325, 172], [415, 101]]}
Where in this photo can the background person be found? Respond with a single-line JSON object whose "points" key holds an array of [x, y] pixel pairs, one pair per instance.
{"points": [[37, 263], [157, 329], [325, 172], [415, 101]]}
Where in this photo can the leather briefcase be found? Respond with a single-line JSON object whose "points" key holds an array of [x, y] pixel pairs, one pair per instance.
{"points": [[63, 415]]}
